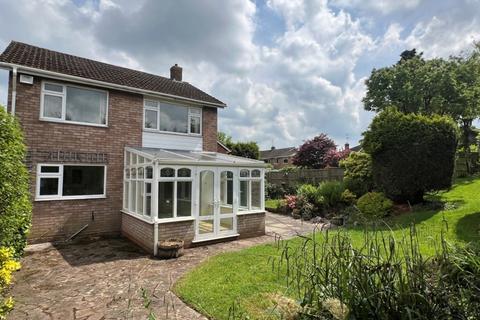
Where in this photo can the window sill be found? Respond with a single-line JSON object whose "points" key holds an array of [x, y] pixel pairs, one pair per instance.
{"points": [[173, 133], [71, 198], [244, 213], [74, 123], [146, 219]]}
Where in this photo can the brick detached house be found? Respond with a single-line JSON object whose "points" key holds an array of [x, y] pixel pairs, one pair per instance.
{"points": [[278, 158], [118, 151]]}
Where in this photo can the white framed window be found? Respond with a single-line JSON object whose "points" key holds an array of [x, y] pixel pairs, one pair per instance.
{"points": [[250, 190], [175, 193], [171, 118], [70, 181], [73, 104]]}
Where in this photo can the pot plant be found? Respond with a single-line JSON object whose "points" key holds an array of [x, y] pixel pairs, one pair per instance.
{"points": [[170, 248]]}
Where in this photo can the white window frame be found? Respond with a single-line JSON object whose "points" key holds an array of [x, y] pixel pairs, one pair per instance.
{"points": [[249, 180], [158, 107], [63, 95], [176, 179], [59, 175]]}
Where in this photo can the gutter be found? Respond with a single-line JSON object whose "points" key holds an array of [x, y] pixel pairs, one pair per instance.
{"points": [[61, 76], [14, 90]]}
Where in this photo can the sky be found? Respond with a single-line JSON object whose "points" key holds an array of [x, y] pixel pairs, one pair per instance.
{"points": [[287, 69]]}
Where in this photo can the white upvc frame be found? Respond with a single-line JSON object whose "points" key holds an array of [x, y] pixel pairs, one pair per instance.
{"points": [[59, 176], [63, 95], [158, 107], [175, 179], [249, 180]]}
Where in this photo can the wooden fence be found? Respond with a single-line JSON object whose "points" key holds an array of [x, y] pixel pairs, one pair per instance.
{"points": [[302, 176]]}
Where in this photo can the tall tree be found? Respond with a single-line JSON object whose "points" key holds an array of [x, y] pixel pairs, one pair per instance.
{"points": [[314, 153], [442, 86]]}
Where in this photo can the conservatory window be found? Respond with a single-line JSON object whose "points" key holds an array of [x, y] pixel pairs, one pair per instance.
{"points": [[175, 193], [250, 190]]}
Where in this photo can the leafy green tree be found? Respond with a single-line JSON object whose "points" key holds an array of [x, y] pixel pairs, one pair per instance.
{"points": [[245, 149], [411, 153], [446, 87], [225, 139], [15, 206]]}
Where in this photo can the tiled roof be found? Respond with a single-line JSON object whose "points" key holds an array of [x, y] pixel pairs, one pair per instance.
{"points": [[278, 153], [34, 57]]}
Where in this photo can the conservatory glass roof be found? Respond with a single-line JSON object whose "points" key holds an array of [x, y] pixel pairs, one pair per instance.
{"points": [[194, 157]]}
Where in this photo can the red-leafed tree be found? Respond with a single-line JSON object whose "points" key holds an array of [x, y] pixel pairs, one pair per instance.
{"points": [[333, 157], [312, 153]]}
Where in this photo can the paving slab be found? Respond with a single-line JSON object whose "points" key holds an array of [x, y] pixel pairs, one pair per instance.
{"points": [[105, 279]]}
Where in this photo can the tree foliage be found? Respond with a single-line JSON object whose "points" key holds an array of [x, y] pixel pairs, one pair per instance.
{"points": [[312, 154], [442, 86], [411, 153], [248, 149], [15, 206]]}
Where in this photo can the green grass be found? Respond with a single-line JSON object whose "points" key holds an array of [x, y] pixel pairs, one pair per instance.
{"points": [[244, 277], [273, 203]]}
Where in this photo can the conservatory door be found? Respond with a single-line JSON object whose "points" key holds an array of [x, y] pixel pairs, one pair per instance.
{"points": [[216, 215]]}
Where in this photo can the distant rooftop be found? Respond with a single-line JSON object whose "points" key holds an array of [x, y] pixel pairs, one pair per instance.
{"points": [[278, 153]]}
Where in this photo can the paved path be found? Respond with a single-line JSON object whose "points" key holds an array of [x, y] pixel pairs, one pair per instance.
{"points": [[104, 280]]}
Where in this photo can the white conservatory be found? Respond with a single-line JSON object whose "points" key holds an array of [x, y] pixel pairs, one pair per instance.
{"points": [[192, 195]]}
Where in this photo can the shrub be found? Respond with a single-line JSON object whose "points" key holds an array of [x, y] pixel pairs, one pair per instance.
{"points": [[411, 153], [348, 198], [357, 175], [15, 207], [331, 192], [334, 156], [273, 191], [308, 191], [7, 266], [374, 205], [381, 278]]}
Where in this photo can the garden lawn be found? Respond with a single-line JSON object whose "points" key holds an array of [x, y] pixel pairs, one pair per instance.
{"points": [[243, 278]]}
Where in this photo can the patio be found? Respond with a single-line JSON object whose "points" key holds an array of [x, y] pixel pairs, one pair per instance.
{"points": [[104, 279]]}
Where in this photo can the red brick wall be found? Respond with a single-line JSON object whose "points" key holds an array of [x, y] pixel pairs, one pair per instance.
{"points": [[251, 225], [209, 128], [138, 231], [56, 220], [184, 230]]}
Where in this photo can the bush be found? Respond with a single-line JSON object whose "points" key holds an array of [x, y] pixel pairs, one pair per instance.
{"points": [[381, 278], [348, 198], [7, 266], [273, 191], [15, 207], [308, 191], [357, 175], [331, 193], [411, 154], [374, 205]]}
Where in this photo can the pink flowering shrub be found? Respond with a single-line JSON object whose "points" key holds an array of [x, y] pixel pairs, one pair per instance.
{"points": [[291, 201]]}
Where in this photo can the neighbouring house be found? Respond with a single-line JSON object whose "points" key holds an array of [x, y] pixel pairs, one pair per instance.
{"points": [[117, 151], [278, 158]]}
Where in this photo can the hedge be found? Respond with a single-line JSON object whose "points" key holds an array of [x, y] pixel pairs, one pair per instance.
{"points": [[411, 154]]}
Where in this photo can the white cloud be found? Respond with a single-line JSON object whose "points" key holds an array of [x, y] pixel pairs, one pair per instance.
{"points": [[309, 79]]}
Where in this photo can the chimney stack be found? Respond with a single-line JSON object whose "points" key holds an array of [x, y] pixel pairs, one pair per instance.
{"points": [[347, 146], [176, 73]]}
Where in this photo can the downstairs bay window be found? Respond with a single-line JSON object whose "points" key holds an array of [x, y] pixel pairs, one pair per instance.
{"points": [[64, 182]]}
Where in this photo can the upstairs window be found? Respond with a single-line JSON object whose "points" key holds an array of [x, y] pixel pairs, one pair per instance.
{"points": [[66, 103], [166, 117]]}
